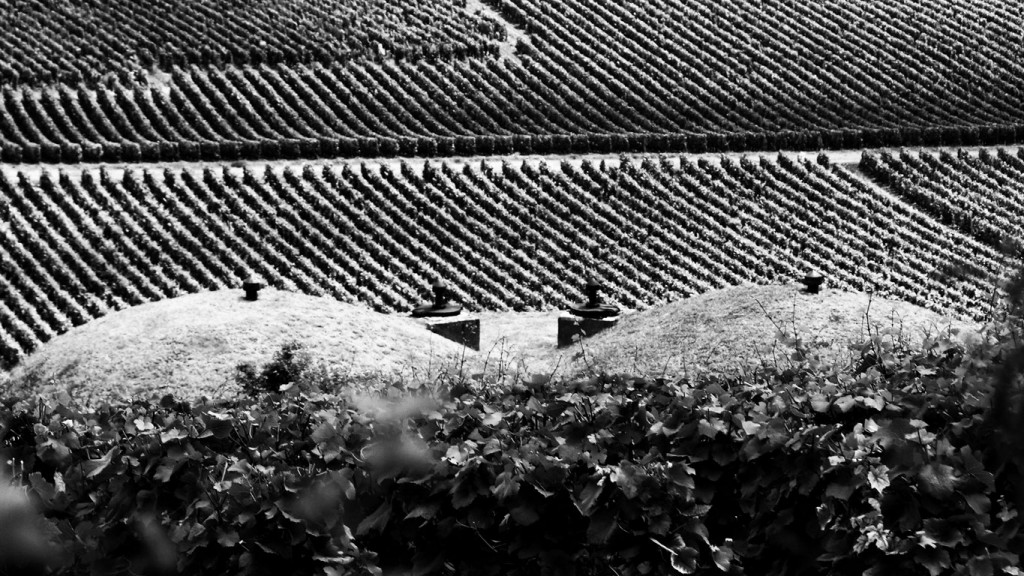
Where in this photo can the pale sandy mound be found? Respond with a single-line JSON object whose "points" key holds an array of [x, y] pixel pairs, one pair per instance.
{"points": [[190, 346], [725, 330]]}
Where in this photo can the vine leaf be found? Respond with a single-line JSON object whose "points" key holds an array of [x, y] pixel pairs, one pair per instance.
{"points": [[95, 467], [588, 497], [602, 525], [376, 520]]}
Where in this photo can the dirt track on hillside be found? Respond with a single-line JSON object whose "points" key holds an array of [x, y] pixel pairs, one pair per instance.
{"points": [[841, 157]]}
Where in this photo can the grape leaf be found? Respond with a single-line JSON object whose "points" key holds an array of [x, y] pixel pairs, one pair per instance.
{"points": [[95, 467], [525, 515], [588, 497], [506, 487], [980, 566], [602, 525], [685, 561], [376, 520], [844, 403]]}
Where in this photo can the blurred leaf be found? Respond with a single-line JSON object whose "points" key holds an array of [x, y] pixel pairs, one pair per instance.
{"points": [[425, 511], [684, 561], [723, 555], [679, 475], [96, 467], [845, 403], [506, 487], [218, 425], [841, 490], [588, 497], [943, 532], [525, 515], [537, 380], [492, 419], [710, 429], [937, 480], [819, 403], [227, 537], [41, 487], [172, 434], [376, 521], [602, 525], [425, 562], [980, 566], [979, 503]]}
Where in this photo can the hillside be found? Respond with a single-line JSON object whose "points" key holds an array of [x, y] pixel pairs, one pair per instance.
{"points": [[116, 81], [507, 235]]}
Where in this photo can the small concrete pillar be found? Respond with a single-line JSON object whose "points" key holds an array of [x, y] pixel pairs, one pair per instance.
{"points": [[465, 331], [439, 318], [570, 327], [587, 318]]}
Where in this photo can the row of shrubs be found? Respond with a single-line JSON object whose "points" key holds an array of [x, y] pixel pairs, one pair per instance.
{"points": [[248, 55], [895, 466], [166, 151]]}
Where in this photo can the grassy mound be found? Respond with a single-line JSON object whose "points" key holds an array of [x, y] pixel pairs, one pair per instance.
{"points": [[197, 341], [190, 346], [753, 326]]}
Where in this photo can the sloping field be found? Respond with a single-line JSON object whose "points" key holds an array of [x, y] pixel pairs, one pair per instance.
{"points": [[80, 244], [190, 346], [112, 80]]}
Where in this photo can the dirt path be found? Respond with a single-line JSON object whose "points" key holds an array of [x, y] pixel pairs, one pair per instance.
{"points": [[846, 158], [506, 49]]}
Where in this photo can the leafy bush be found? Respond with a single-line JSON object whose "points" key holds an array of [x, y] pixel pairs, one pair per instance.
{"points": [[896, 466]]}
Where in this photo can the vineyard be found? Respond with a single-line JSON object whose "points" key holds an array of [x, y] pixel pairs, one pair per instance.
{"points": [[88, 42], [516, 151], [100, 81], [506, 235], [981, 195]]}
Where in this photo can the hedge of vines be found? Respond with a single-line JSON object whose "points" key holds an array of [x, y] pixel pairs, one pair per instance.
{"points": [[896, 467]]}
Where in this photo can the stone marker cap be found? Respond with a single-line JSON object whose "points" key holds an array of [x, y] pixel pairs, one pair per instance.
{"points": [[593, 308], [252, 285], [440, 306], [813, 281]]}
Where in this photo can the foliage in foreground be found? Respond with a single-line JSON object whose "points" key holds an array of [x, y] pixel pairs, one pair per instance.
{"points": [[893, 467]]}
